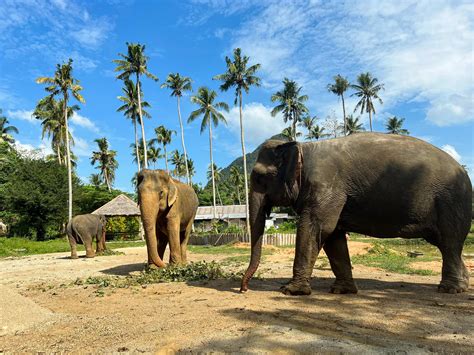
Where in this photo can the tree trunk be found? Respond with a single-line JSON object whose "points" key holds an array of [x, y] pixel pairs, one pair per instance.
{"points": [[212, 169], [344, 113], [137, 153], [295, 118], [166, 159], [68, 158], [107, 180], [245, 165], [182, 142], [370, 120], [238, 194], [145, 156]]}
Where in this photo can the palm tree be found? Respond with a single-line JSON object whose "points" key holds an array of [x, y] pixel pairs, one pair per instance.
{"points": [[394, 126], [135, 63], [64, 83], [339, 87], [367, 89], [177, 159], [107, 164], [240, 76], [291, 103], [5, 130], [191, 170], [316, 133], [163, 137], [131, 110], [290, 134], [154, 153], [236, 180], [178, 84], [217, 178], [211, 116], [308, 122], [353, 125], [95, 180]]}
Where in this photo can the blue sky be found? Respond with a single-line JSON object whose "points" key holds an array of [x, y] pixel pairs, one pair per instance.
{"points": [[421, 50]]}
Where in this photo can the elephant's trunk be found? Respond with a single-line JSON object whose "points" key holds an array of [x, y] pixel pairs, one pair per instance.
{"points": [[149, 213], [257, 223]]}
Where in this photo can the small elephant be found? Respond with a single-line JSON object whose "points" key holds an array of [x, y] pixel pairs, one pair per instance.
{"points": [[82, 229], [380, 185], [168, 208]]}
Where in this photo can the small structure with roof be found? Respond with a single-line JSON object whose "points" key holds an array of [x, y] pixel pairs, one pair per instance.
{"points": [[121, 206]]}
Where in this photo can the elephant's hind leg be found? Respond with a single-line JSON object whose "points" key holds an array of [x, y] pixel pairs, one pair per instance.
{"points": [[338, 255], [73, 244], [162, 243], [184, 242], [455, 277]]}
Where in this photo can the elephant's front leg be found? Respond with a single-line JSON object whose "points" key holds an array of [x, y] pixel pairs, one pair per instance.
{"points": [[100, 242], [174, 241], [338, 255]]}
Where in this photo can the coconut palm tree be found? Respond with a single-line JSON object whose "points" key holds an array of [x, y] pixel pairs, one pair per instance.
{"points": [[6, 130], [140, 158], [353, 125], [240, 76], [290, 103], [163, 137], [217, 178], [63, 83], [208, 109], [308, 122], [236, 180], [339, 87], [154, 153], [135, 63], [394, 126], [130, 109], [290, 134], [179, 84], [177, 159], [368, 91], [191, 170], [316, 133], [95, 180], [107, 164]]}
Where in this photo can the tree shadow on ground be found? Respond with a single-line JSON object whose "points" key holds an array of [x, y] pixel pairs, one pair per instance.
{"points": [[385, 315], [124, 270]]}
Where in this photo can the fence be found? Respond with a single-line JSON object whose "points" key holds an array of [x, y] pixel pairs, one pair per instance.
{"points": [[278, 239]]}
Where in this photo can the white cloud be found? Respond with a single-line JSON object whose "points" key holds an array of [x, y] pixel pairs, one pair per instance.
{"points": [[28, 150], [24, 115], [451, 151], [92, 34], [259, 124], [81, 147], [84, 122]]}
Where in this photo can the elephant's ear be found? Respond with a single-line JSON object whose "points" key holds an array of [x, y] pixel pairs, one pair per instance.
{"points": [[172, 193], [290, 163]]}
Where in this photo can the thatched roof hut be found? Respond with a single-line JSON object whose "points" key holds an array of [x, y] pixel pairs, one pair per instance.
{"points": [[122, 205]]}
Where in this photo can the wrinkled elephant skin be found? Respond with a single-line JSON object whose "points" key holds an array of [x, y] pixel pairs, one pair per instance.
{"points": [[168, 208], [380, 185]]}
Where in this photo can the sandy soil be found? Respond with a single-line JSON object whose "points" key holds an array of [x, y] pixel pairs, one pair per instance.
{"points": [[41, 310]]}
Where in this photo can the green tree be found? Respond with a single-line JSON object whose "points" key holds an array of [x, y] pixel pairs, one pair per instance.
{"points": [[6, 130], [179, 84], [240, 76], [63, 83], [154, 153], [290, 103], [308, 122], [339, 87], [95, 180], [135, 63], [178, 160], [131, 110], [191, 170], [214, 171], [163, 137], [290, 134], [107, 164], [394, 125], [236, 180], [316, 133], [353, 125], [208, 109], [141, 157], [367, 89]]}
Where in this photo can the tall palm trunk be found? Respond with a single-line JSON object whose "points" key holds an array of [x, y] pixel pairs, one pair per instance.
{"points": [[136, 144], [68, 158], [295, 119], [182, 142], [106, 176], [370, 120], [145, 156], [245, 165], [212, 170], [166, 158], [344, 113], [238, 194]]}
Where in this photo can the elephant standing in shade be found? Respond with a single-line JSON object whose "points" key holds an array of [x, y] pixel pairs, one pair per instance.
{"points": [[380, 185], [168, 208], [83, 229]]}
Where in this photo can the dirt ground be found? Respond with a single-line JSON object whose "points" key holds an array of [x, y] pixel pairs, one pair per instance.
{"points": [[42, 310]]}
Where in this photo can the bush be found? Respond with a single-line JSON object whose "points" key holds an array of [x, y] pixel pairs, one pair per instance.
{"points": [[126, 227]]}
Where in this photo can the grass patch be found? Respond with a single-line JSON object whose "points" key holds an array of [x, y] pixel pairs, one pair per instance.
{"points": [[23, 246], [390, 260], [220, 249]]}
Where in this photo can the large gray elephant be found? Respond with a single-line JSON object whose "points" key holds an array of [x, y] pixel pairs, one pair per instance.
{"points": [[168, 208], [381, 185], [83, 229]]}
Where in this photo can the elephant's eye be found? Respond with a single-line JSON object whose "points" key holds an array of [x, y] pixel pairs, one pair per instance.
{"points": [[162, 193]]}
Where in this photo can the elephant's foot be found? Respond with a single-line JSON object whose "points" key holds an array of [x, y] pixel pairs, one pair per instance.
{"points": [[296, 288], [453, 287], [343, 287], [74, 256], [90, 255]]}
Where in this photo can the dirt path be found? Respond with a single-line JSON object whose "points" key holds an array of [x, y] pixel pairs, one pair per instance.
{"points": [[392, 312]]}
